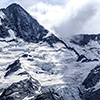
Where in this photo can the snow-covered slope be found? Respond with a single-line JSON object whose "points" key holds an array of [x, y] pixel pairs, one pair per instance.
{"points": [[37, 66], [14, 18]]}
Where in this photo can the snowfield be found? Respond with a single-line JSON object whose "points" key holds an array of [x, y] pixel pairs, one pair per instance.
{"points": [[56, 68]]}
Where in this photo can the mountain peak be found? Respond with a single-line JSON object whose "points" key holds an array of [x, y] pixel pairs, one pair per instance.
{"points": [[14, 5], [15, 8], [25, 26]]}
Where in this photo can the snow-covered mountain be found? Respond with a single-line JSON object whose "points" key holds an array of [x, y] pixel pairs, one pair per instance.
{"points": [[36, 65], [16, 22]]}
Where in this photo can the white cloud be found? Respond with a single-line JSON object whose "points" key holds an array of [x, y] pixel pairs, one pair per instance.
{"points": [[48, 15], [74, 17]]}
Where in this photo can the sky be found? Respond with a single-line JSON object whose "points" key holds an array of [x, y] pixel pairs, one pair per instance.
{"points": [[63, 17]]}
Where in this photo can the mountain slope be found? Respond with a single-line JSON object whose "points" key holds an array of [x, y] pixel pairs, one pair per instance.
{"points": [[14, 18]]}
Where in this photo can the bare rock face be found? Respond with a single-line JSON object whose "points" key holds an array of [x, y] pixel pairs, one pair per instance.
{"points": [[48, 96], [13, 68], [20, 90], [24, 26], [90, 83], [93, 78], [84, 39]]}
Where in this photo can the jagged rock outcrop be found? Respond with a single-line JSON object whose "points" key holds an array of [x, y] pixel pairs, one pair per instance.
{"points": [[13, 68], [90, 93], [20, 90], [83, 39], [48, 96], [93, 78]]}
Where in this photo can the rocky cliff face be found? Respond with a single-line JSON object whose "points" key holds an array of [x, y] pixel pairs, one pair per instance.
{"points": [[36, 65], [84, 39], [23, 25]]}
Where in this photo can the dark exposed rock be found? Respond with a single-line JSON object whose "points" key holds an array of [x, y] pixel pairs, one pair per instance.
{"points": [[69, 48], [81, 57], [93, 78], [90, 94], [4, 32], [51, 39], [95, 60], [93, 95], [23, 73], [20, 90], [25, 26], [25, 55], [48, 96], [83, 39], [30, 59], [89, 60], [13, 68], [30, 55]]}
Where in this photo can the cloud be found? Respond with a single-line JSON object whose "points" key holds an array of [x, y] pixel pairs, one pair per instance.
{"points": [[55, 2], [76, 20], [48, 15], [65, 20]]}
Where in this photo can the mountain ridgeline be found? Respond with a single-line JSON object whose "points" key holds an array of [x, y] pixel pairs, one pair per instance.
{"points": [[14, 17]]}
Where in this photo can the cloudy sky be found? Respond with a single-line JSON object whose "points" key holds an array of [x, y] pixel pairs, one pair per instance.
{"points": [[63, 17]]}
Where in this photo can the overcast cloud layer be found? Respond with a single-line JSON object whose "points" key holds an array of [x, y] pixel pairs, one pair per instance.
{"points": [[63, 17]]}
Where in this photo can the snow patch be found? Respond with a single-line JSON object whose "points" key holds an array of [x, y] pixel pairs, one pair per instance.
{"points": [[0, 22], [2, 15]]}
